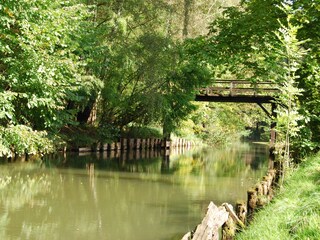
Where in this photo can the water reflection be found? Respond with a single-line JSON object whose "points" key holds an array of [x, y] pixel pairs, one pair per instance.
{"points": [[130, 195]]}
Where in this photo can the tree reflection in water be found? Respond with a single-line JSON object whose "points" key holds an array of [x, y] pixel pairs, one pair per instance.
{"points": [[127, 196]]}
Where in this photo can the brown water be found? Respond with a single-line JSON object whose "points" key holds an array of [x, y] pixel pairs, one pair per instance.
{"points": [[126, 197]]}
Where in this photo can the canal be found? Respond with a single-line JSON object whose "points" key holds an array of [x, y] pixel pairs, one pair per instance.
{"points": [[129, 196]]}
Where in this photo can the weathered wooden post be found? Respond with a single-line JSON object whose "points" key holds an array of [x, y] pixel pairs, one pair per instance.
{"points": [[124, 143], [241, 211], [273, 133], [167, 143], [105, 147], [252, 203], [112, 146], [163, 143], [84, 149], [137, 143], [152, 143], [148, 143], [131, 143], [118, 146], [278, 166], [259, 189], [264, 185], [228, 229]]}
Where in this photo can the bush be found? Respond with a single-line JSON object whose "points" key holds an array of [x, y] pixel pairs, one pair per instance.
{"points": [[142, 132], [21, 139]]}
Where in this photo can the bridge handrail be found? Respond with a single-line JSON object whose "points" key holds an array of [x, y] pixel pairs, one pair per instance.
{"points": [[243, 82], [234, 87]]}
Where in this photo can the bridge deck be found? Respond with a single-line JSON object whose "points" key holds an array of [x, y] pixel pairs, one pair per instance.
{"points": [[238, 91]]}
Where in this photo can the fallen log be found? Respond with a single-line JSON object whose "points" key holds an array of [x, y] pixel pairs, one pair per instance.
{"points": [[210, 225]]}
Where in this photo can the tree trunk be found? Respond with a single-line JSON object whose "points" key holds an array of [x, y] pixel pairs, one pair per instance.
{"points": [[187, 7]]}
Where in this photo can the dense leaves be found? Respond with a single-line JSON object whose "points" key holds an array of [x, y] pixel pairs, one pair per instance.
{"points": [[111, 64], [117, 65], [41, 70], [256, 41]]}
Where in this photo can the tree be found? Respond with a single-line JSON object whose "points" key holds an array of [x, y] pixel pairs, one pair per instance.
{"points": [[144, 68], [41, 69], [244, 43]]}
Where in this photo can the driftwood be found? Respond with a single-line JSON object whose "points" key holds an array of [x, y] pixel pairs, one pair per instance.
{"points": [[233, 223], [209, 227], [233, 215], [225, 217]]}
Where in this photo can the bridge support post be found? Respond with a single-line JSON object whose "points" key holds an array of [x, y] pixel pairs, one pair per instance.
{"points": [[273, 134]]}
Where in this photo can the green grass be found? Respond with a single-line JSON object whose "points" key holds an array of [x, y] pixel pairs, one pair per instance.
{"points": [[295, 212]]}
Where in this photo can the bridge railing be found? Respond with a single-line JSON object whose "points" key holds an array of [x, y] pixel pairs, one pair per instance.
{"points": [[239, 87]]}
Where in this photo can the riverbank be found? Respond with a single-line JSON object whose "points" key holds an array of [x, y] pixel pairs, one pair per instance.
{"points": [[295, 212]]}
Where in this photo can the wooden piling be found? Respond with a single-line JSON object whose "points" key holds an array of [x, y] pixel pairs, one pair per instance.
{"points": [[228, 229], [252, 203], [137, 143], [131, 143], [118, 146], [241, 211], [105, 147], [143, 144], [148, 143], [152, 143], [84, 149], [124, 143], [112, 146], [96, 147]]}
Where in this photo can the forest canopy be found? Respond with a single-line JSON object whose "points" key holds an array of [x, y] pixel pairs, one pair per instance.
{"points": [[108, 66]]}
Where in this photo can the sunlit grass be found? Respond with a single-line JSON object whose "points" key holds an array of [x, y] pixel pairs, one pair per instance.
{"points": [[295, 212]]}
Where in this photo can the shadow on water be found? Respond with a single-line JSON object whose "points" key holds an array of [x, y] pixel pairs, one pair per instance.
{"points": [[123, 195]]}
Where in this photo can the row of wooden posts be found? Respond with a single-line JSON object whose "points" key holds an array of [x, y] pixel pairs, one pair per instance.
{"points": [[231, 220], [137, 144]]}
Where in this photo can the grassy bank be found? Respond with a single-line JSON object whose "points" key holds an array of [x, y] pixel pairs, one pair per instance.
{"points": [[295, 212]]}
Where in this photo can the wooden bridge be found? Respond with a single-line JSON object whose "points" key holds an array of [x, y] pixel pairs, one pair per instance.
{"points": [[238, 91], [241, 91]]}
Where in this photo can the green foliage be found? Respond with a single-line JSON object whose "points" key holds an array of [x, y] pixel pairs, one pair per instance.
{"points": [[149, 77], [108, 133], [20, 139], [224, 123], [142, 132], [41, 70], [290, 55], [128, 63], [255, 41], [74, 137]]}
